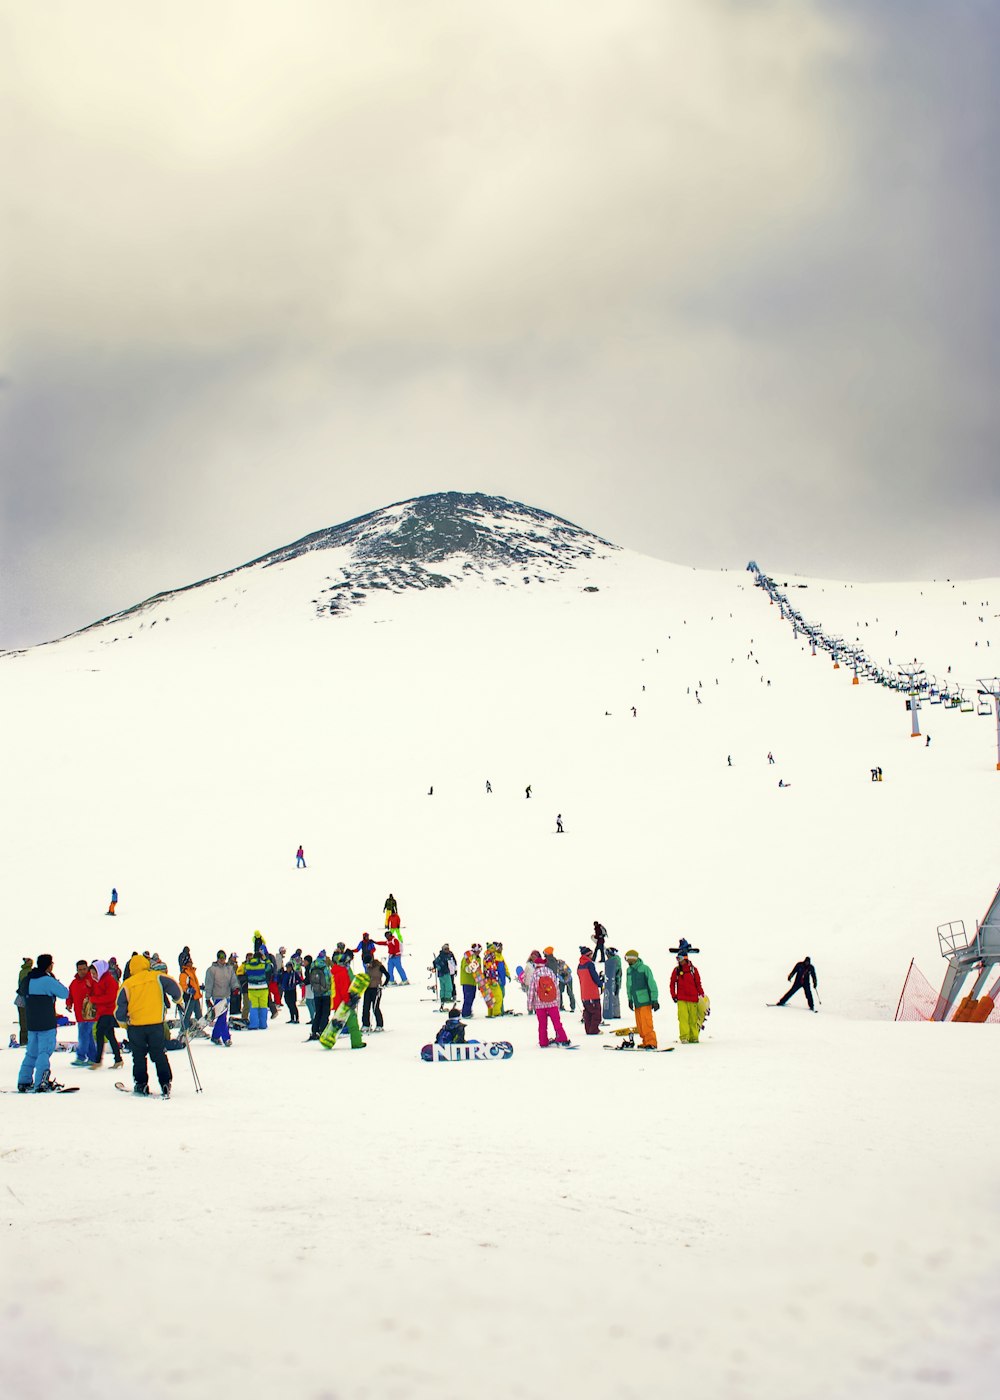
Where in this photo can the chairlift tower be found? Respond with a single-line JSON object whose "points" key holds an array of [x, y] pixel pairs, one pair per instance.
{"points": [[992, 689], [913, 679], [981, 954]]}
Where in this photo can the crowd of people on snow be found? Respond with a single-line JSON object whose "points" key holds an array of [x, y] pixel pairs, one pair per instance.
{"points": [[160, 1012], [245, 993], [547, 981]]}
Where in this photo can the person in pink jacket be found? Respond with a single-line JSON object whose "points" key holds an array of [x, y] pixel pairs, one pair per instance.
{"points": [[542, 987]]}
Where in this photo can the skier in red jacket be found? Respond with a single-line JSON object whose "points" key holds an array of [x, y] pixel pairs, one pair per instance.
{"points": [[687, 991]]}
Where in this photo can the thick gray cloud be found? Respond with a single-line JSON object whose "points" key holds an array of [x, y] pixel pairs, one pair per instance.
{"points": [[711, 277]]}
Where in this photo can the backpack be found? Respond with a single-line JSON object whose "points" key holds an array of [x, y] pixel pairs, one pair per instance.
{"points": [[545, 987]]}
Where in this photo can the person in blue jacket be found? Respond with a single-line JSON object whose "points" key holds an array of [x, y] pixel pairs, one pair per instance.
{"points": [[40, 990]]}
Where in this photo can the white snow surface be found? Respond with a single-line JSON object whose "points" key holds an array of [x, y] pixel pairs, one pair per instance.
{"points": [[800, 1206]]}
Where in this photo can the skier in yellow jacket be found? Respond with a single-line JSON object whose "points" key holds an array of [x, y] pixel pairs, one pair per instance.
{"points": [[142, 1002]]}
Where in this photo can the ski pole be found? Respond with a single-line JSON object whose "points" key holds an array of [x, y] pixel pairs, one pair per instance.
{"points": [[187, 1046]]}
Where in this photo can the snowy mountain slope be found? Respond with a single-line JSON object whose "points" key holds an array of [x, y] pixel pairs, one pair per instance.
{"points": [[431, 541], [775, 1203]]}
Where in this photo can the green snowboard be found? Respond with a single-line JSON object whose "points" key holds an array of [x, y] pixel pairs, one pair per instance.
{"points": [[339, 1018]]}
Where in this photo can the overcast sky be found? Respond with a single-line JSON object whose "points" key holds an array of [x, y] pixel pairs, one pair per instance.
{"points": [[714, 278]]}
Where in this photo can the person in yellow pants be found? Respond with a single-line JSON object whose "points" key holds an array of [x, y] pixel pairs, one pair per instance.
{"points": [[643, 998], [687, 992]]}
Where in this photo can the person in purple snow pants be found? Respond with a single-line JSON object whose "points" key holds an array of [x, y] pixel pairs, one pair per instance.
{"points": [[542, 988]]}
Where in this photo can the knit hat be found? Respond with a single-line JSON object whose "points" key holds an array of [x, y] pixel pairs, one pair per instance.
{"points": [[631, 954], [547, 951], [321, 953], [584, 948], [535, 956]]}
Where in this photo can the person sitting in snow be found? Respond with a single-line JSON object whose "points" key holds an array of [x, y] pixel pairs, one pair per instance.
{"points": [[453, 1030]]}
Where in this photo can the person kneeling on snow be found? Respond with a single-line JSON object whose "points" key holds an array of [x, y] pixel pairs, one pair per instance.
{"points": [[643, 998], [453, 1030]]}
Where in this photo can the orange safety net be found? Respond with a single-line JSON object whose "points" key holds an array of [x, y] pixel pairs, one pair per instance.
{"points": [[919, 999]]}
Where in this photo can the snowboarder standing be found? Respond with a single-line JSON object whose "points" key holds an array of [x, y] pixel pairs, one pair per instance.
{"points": [[687, 991], [114, 901], [612, 985], [80, 1000], [190, 989], [105, 997], [389, 907], [559, 825], [468, 980], [542, 990], [320, 984], [643, 998], [600, 936], [220, 984], [804, 974], [258, 974], [591, 983], [566, 985], [39, 989], [289, 982], [372, 1001], [445, 968], [142, 1002], [345, 1005], [21, 1002], [300, 859]]}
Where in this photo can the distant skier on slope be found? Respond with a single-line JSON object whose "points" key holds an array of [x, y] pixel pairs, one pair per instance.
{"points": [[804, 973]]}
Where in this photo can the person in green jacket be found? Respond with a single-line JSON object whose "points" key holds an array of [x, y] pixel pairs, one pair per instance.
{"points": [[643, 998]]}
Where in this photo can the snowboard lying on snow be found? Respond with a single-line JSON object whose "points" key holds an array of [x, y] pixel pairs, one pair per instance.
{"points": [[469, 1050]]}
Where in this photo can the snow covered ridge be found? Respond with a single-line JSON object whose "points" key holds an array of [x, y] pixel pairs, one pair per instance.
{"points": [[430, 541], [463, 534]]}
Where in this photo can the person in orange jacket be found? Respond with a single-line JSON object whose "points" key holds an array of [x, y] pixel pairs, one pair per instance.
{"points": [[190, 989], [687, 991]]}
